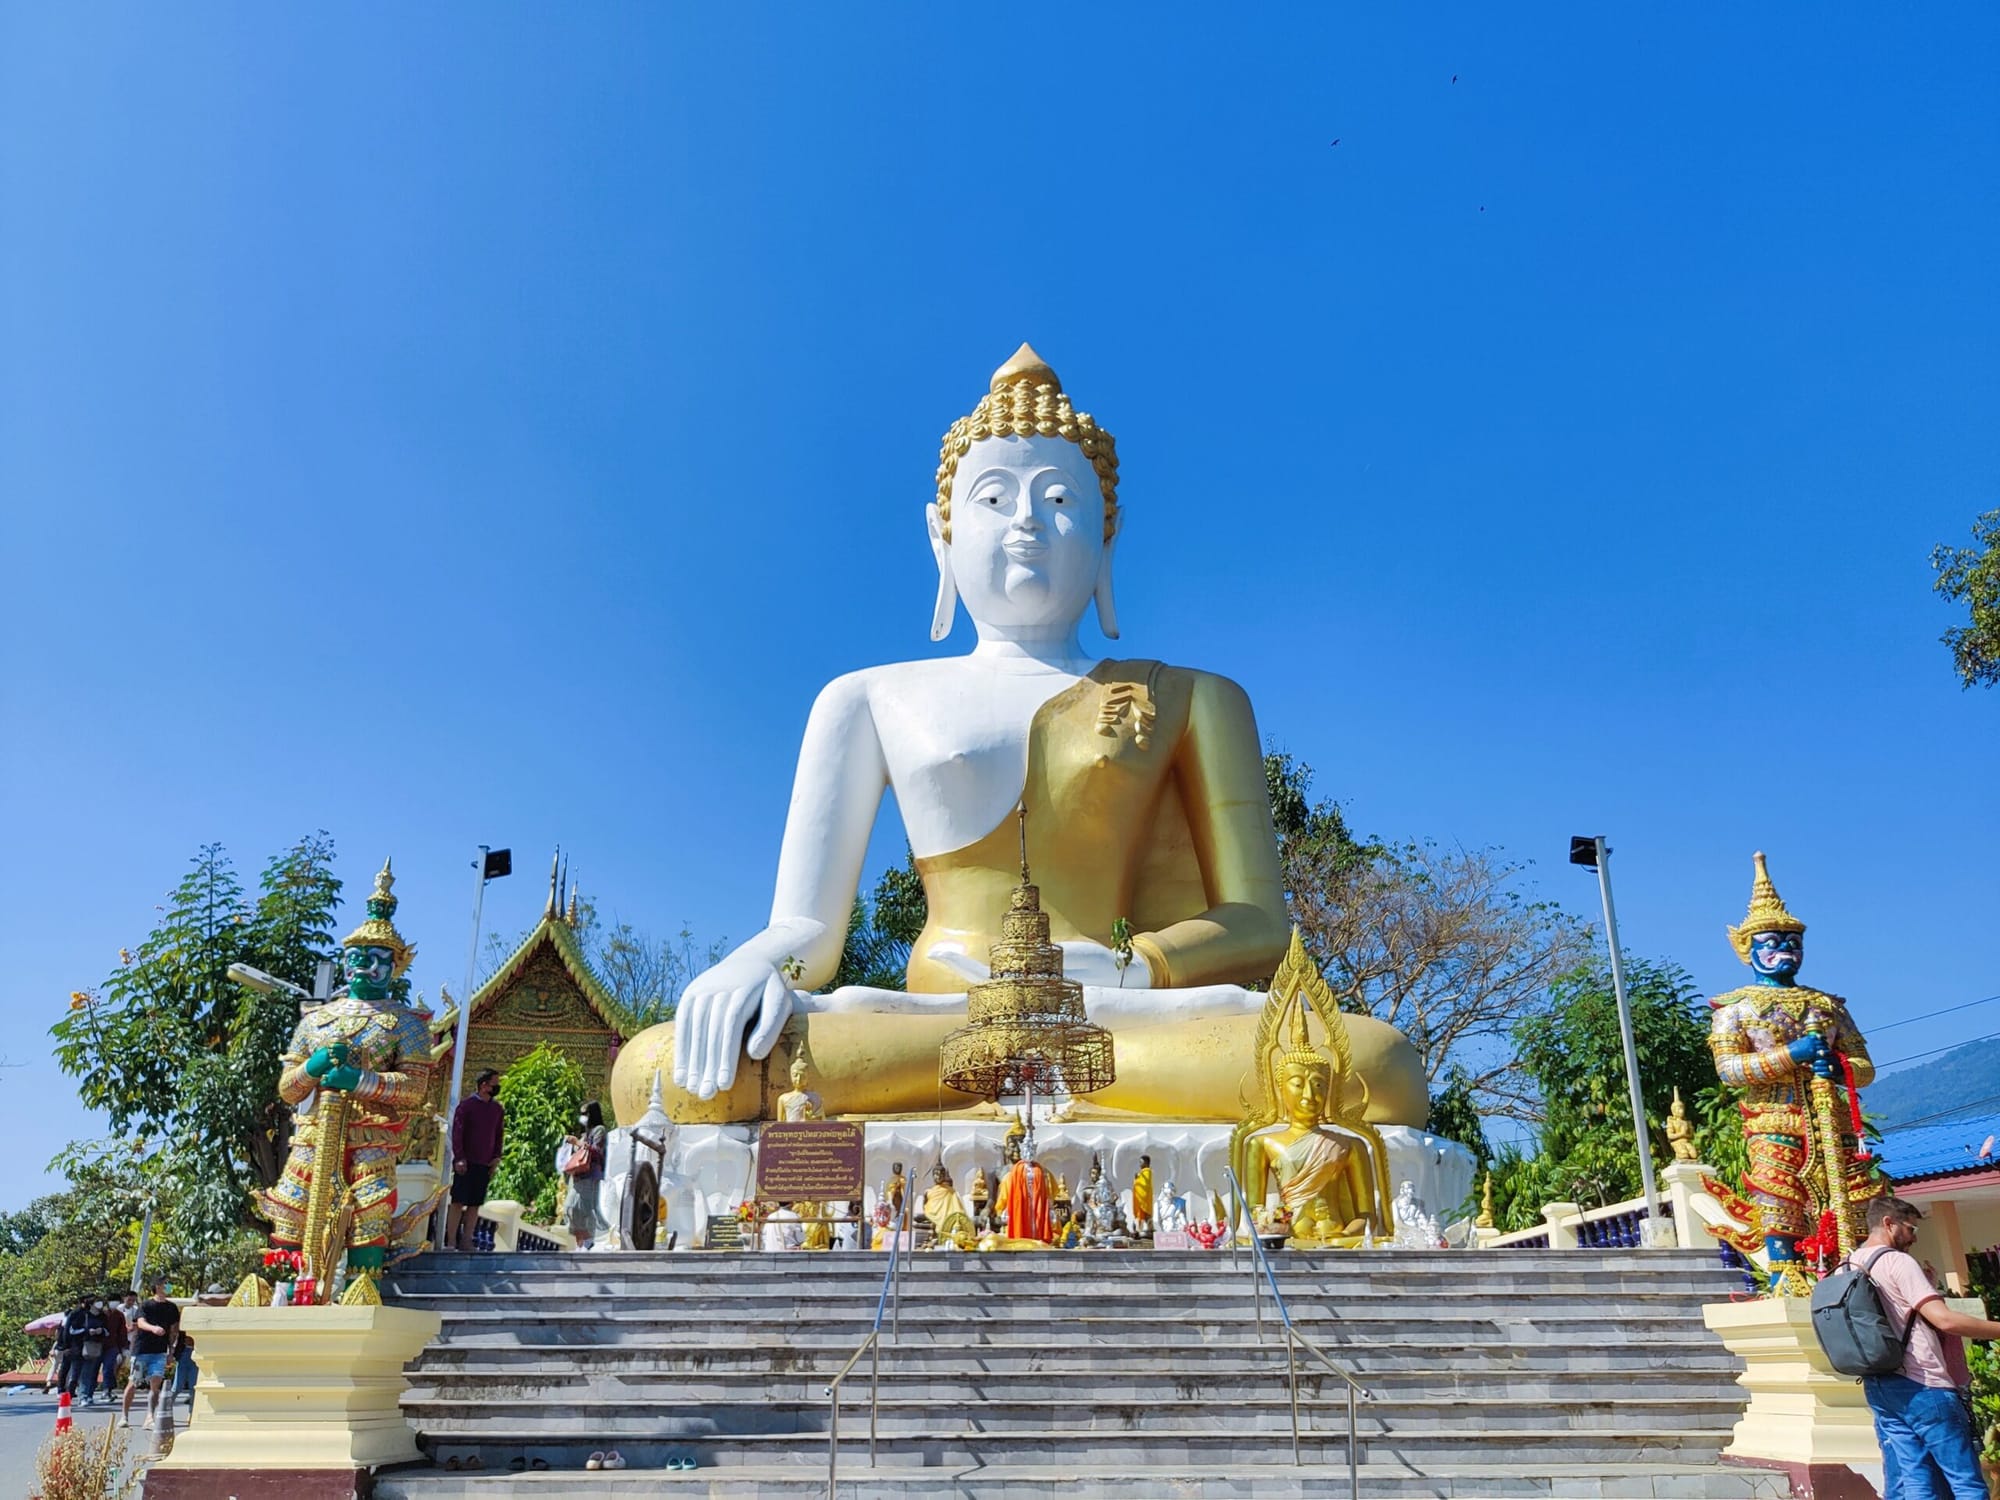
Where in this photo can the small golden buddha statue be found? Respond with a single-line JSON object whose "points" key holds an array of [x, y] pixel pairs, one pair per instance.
{"points": [[1305, 1134], [951, 1225], [799, 1102], [1680, 1132]]}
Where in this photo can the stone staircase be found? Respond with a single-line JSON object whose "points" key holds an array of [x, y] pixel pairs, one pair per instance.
{"points": [[1118, 1374]]}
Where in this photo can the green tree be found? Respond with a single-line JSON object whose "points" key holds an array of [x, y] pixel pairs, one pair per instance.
{"points": [[170, 1048], [1971, 576], [1441, 942], [1575, 1056], [882, 928], [542, 1094], [1455, 1116]]}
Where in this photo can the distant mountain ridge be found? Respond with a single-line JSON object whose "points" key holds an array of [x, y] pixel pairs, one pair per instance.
{"points": [[1966, 1077]]}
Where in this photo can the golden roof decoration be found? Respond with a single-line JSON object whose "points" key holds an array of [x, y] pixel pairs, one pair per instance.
{"points": [[1767, 912]]}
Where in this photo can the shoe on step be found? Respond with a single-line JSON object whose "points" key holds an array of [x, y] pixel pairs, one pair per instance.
{"points": [[614, 1460], [595, 1461]]}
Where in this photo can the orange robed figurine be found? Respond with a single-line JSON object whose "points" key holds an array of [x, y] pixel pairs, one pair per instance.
{"points": [[1024, 1197]]}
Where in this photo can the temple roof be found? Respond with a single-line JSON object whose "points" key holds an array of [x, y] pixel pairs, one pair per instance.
{"points": [[1921, 1152], [556, 932]]}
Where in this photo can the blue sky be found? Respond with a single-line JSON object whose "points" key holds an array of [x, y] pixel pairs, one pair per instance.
{"points": [[461, 425]]}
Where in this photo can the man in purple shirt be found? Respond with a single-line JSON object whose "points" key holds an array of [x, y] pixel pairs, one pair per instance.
{"points": [[475, 1151]]}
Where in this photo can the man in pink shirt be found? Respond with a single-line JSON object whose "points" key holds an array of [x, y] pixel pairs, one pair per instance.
{"points": [[1922, 1418]]}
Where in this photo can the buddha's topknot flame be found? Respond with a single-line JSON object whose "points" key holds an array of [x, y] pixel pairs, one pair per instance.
{"points": [[1026, 399]]}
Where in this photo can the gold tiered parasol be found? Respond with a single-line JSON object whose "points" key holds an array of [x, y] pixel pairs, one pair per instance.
{"points": [[1026, 1031]]}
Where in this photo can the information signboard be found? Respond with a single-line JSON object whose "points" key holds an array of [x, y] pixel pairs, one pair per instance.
{"points": [[816, 1161]]}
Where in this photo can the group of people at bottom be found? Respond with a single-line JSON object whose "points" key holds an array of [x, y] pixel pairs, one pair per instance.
{"points": [[104, 1337]]}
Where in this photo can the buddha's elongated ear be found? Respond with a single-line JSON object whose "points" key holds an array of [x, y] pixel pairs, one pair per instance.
{"points": [[1107, 607], [946, 609]]}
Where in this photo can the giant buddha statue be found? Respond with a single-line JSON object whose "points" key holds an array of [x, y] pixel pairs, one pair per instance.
{"points": [[1145, 798]]}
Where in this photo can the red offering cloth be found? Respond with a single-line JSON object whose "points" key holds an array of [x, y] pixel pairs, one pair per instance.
{"points": [[1024, 1198]]}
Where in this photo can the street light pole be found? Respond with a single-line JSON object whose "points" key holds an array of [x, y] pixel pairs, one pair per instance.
{"points": [[491, 865], [145, 1244], [1595, 853]]}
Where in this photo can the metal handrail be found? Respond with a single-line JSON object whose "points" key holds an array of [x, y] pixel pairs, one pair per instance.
{"points": [[891, 1298], [1261, 1261]]}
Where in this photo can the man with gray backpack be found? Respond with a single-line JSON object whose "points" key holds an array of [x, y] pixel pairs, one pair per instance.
{"points": [[1880, 1318]]}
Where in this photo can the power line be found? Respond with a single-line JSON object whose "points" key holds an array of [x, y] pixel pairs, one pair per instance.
{"points": [[1948, 1010], [1956, 1109], [1881, 1068]]}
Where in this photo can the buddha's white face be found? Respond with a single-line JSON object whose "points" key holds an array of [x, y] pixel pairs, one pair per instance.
{"points": [[1027, 532]]}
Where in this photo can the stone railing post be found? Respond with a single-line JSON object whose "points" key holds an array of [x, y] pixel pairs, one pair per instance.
{"points": [[1562, 1218], [1682, 1180]]}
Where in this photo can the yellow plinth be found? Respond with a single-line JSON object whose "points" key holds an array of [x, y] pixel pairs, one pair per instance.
{"points": [[1802, 1410], [300, 1387]]}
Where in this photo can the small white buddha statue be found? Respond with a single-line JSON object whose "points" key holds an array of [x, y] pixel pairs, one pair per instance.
{"points": [[1145, 801], [1171, 1217]]}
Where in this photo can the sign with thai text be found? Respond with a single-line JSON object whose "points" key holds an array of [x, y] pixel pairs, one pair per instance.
{"points": [[810, 1161]]}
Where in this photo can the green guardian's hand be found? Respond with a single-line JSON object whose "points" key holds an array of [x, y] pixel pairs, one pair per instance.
{"points": [[326, 1058], [343, 1078]]}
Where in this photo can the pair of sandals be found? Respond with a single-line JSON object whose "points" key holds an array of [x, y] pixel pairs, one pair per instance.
{"points": [[612, 1459], [523, 1463], [470, 1462]]}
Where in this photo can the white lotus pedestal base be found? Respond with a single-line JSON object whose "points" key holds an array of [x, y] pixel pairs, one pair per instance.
{"points": [[1804, 1416], [294, 1401]]}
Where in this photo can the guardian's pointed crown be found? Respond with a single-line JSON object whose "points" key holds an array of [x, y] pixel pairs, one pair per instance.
{"points": [[379, 931], [1767, 912]]}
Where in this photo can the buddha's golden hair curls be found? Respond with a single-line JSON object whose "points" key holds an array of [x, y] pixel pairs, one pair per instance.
{"points": [[1026, 400]]}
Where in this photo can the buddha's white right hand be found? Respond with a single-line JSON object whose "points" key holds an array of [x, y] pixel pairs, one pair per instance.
{"points": [[716, 1007]]}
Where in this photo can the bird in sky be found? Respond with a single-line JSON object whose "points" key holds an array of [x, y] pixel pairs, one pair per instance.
{"points": [[1454, 78], [1334, 142]]}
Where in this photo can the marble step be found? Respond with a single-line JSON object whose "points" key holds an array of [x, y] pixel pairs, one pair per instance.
{"points": [[1276, 1479], [1665, 1359], [1112, 1388], [1505, 1450], [902, 1414], [1439, 1328]]}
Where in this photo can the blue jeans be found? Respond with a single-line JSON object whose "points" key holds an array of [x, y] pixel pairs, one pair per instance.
{"points": [[1926, 1437]]}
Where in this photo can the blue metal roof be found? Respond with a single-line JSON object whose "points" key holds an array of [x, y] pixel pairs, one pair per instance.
{"points": [[1919, 1151]]}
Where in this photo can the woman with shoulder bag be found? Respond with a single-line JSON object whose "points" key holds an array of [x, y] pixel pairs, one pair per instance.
{"points": [[584, 1167]]}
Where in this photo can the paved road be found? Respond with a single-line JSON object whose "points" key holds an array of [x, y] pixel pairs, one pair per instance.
{"points": [[26, 1422]]}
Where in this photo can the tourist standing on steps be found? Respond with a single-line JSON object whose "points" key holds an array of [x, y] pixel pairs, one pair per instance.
{"points": [[158, 1320], [584, 1166], [476, 1128], [1923, 1418]]}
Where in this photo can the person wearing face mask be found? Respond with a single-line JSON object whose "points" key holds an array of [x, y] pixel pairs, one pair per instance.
{"points": [[476, 1129], [584, 1167]]}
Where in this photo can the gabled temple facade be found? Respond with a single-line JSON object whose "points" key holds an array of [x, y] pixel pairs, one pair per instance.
{"points": [[545, 991]]}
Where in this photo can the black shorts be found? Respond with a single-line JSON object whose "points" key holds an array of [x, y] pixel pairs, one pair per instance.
{"points": [[468, 1188]]}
